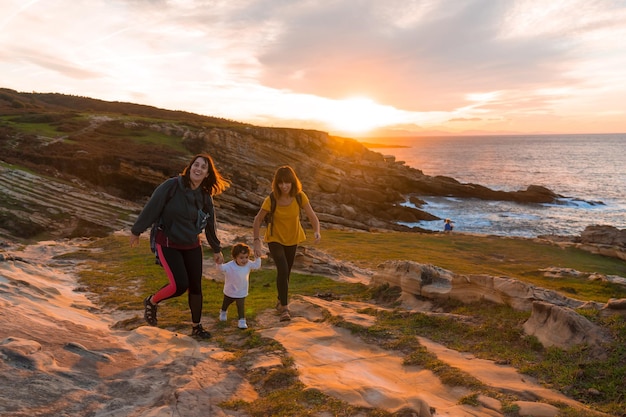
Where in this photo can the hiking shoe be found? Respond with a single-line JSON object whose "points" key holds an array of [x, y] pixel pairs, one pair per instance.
{"points": [[283, 312], [242, 324], [285, 316], [149, 312], [223, 315], [199, 333]]}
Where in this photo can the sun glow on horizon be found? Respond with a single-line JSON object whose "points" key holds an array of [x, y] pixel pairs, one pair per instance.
{"points": [[359, 115]]}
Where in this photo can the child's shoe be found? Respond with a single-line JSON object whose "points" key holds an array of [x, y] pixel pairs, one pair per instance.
{"points": [[223, 315], [242, 324]]}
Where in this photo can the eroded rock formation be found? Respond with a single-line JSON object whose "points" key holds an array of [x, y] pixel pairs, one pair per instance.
{"points": [[562, 327], [553, 320]]}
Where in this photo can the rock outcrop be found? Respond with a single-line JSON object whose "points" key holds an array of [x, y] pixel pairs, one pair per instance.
{"points": [[602, 240], [562, 327], [125, 150], [553, 320], [430, 281], [604, 235]]}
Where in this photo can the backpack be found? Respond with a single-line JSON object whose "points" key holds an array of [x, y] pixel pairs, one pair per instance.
{"points": [[269, 217]]}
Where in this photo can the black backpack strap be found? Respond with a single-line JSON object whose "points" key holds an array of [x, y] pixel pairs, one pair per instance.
{"points": [[272, 203], [270, 215]]}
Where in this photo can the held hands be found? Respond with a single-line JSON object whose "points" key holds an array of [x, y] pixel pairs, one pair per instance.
{"points": [[218, 258], [257, 247]]}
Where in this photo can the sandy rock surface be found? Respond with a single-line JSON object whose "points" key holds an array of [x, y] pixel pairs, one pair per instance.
{"points": [[60, 356]]}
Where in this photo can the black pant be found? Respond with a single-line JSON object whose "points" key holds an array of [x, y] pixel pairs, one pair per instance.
{"points": [[241, 310], [283, 257], [184, 272]]}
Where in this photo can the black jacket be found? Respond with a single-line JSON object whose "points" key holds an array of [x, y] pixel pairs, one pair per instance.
{"points": [[178, 215]]}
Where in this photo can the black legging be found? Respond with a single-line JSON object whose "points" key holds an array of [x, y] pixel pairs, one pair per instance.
{"points": [[184, 272], [283, 257], [240, 302]]}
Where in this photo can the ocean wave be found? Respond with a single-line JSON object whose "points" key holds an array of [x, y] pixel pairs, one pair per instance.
{"points": [[506, 218]]}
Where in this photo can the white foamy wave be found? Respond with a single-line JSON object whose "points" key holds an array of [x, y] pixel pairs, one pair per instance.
{"points": [[576, 202]]}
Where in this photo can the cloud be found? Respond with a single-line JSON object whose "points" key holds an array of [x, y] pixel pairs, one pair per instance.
{"points": [[255, 60], [452, 49], [52, 63]]}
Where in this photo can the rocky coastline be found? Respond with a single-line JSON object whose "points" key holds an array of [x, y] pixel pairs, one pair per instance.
{"points": [[101, 150], [93, 177]]}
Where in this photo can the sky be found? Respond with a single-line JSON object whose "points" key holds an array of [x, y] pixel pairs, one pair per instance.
{"points": [[348, 67]]}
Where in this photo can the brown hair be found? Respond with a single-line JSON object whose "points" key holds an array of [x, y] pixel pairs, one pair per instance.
{"points": [[214, 183], [286, 174], [238, 249]]}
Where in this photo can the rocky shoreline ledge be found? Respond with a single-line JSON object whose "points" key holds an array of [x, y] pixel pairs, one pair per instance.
{"points": [[121, 151]]}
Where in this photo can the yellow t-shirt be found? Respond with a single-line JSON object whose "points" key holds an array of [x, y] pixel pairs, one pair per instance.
{"points": [[286, 229]]}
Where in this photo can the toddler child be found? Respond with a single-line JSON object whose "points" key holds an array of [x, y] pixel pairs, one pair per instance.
{"points": [[236, 282]]}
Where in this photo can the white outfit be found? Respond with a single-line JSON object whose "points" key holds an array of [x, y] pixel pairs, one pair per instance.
{"points": [[236, 283]]}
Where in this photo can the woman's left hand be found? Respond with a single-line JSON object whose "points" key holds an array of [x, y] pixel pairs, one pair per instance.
{"points": [[218, 258]]}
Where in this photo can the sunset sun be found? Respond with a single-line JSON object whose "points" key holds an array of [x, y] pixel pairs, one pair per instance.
{"points": [[359, 115]]}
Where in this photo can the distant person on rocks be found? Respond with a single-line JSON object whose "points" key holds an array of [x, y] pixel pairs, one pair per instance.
{"points": [[448, 226], [284, 231], [237, 281], [183, 206]]}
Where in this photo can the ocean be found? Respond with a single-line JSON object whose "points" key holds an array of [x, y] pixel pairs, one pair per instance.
{"points": [[589, 171]]}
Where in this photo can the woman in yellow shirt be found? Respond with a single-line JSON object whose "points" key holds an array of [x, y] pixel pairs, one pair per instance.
{"points": [[284, 231]]}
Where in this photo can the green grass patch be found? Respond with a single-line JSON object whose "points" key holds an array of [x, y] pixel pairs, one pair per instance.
{"points": [[35, 126], [122, 276], [491, 255], [117, 130]]}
